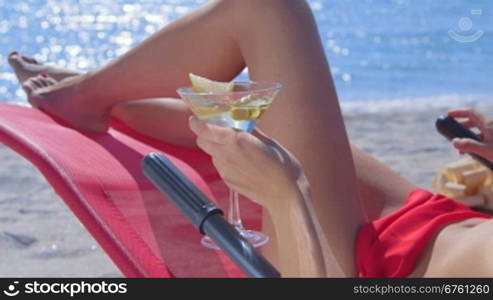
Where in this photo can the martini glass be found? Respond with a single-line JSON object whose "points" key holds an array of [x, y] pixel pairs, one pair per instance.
{"points": [[240, 110]]}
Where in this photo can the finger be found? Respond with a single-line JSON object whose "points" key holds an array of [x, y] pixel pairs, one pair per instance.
{"points": [[260, 135], [266, 139], [474, 117], [212, 133], [229, 177], [470, 146], [466, 123], [209, 147], [274, 147], [459, 113]]}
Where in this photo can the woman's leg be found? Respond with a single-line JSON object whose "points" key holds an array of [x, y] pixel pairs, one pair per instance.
{"points": [[161, 118], [278, 41], [165, 119], [306, 119], [382, 190], [26, 67], [286, 48], [201, 43]]}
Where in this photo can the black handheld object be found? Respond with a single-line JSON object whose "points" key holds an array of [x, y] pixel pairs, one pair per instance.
{"points": [[205, 215], [451, 129]]}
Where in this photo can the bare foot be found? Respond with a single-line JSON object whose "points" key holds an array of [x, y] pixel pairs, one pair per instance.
{"points": [[59, 92], [68, 100], [26, 67]]}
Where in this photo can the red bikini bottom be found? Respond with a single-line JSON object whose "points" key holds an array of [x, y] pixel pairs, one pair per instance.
{"points": [[391, 246]]}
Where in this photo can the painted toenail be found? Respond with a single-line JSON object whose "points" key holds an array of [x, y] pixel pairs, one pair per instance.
{"points": [[43, 74], [14, 53]]}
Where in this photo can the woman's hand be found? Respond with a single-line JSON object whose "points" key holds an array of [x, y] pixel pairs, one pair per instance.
{"points": [[470, 118], [251, 164]]}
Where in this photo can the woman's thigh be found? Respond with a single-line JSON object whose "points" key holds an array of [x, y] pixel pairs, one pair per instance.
{"points": [[165, 119], [381, 189]]}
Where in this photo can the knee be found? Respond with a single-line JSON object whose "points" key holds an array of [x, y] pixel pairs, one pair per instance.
{"points": [[123, 111], [267, 4], [257, 8]]}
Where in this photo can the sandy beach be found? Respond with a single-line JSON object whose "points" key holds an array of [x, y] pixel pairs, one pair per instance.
{"points": [[40, 237]]}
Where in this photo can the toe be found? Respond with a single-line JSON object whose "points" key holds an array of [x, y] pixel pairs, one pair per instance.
{"points": [[28, 87], [37, 82], [23, 67], [51, 80], [14, 58], [45, 81], [32, 88], [18, 65]]}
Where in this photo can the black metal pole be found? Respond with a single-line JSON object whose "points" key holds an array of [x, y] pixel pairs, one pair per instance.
{"points": [[205, 215]]}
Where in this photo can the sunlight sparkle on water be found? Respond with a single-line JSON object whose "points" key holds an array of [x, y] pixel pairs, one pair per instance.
{"points": [[377, 49], [79, 34]]}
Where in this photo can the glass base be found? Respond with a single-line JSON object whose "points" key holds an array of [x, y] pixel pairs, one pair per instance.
{"points": [[255, 238]]}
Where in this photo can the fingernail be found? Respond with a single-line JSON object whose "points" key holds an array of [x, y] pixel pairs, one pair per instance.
{"points": [[43, 74]]}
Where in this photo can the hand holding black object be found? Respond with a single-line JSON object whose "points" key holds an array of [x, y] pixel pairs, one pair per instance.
{"points": [[466, 141]]}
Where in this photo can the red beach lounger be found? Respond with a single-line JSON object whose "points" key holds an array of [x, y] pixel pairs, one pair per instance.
{"points": [[99, 177]]}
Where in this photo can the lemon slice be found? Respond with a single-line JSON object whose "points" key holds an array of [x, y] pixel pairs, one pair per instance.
{"points": [[204, 85]]}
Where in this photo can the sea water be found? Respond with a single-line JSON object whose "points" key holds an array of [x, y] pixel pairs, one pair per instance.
{"points": [[384, 54]]}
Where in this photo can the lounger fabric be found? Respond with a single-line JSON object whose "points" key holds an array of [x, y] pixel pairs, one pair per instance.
{"points": [[391, 246], [100, 179]]}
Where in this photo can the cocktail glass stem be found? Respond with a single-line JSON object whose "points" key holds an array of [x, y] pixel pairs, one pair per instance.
{"points": [[238, 107], [257, 239], [234, 211]]}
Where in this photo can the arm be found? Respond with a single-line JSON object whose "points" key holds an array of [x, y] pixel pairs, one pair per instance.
{"points": [[263, 171]]}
